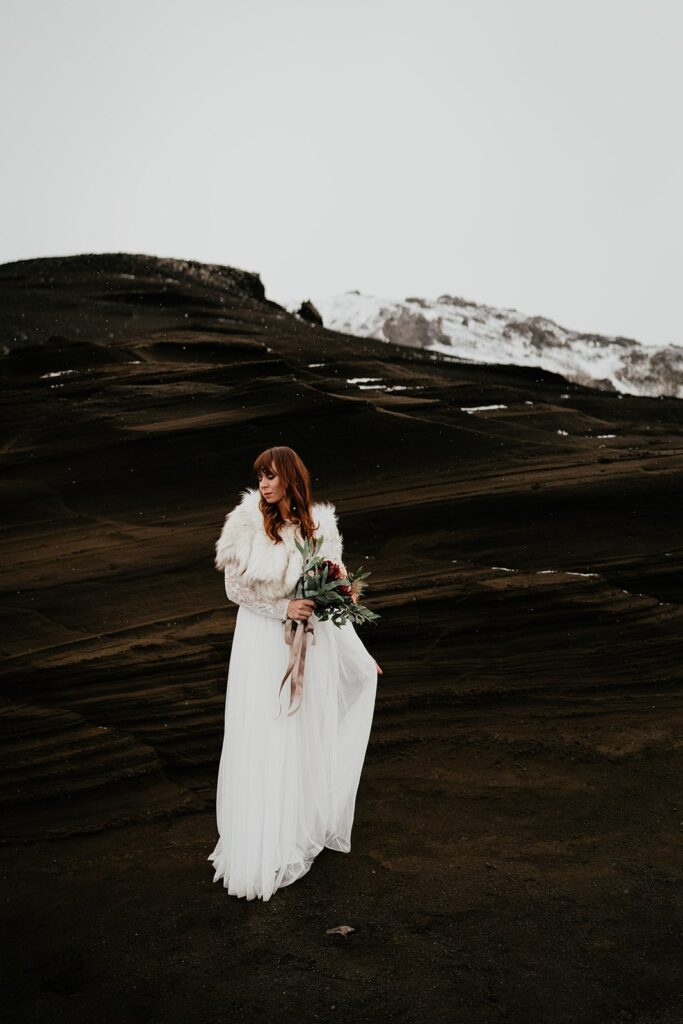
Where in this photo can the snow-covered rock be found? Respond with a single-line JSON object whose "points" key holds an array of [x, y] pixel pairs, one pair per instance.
{"points": [[488, 334]]}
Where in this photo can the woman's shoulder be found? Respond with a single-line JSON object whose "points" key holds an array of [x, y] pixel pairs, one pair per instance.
{"points": [[238, 528], [325, 513], [248, 504]]}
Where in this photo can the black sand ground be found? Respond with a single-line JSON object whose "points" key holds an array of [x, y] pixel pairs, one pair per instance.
{"points": [[516, 852]]}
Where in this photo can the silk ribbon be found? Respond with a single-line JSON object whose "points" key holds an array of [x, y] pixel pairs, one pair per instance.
{"points": [[296, 635]]}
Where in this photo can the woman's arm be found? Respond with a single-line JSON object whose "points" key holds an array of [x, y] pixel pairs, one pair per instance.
{"points": [[243, 593]]}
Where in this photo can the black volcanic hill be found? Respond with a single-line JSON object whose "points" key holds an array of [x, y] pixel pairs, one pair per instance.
{"points": [[530, 545], [524, 769]]}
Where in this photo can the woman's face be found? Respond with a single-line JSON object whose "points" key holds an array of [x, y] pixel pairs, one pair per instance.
{"points": [[272, 489]]}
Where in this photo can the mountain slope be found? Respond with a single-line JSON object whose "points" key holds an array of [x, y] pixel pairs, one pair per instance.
{"points": [[524, 770], [488, 334], [135, 403]]}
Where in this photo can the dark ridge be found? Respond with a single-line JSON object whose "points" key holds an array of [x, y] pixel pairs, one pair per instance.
{"points": [[524, 769]]}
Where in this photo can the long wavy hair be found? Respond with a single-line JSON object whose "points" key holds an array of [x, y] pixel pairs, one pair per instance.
{"points": [[297, 482]]}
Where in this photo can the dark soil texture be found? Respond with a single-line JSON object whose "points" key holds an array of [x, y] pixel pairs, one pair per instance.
{"points": [[516, 851]]}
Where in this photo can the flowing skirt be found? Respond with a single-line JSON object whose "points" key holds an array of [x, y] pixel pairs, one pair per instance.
{"points": [[287, 784]]}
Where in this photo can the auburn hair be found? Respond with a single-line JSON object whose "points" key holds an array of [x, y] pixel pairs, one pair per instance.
{"points": [[297, 483]]}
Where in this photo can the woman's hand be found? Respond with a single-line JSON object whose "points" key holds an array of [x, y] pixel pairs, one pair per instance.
{"points": [[300, 608], [379, 670]]}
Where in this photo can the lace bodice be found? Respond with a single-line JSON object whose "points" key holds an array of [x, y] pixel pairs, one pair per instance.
{"points": [[244, 593]]}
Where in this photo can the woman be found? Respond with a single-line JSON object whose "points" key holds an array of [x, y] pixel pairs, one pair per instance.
{"points": [[286, 783]]}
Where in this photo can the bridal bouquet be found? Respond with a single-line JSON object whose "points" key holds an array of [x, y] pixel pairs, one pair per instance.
{"points": [[335, 592], [336, 597]]}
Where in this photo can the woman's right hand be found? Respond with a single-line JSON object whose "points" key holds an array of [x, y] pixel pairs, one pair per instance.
{"points": [[300, 608]]}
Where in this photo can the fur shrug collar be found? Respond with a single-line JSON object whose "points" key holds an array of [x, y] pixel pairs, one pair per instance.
{"points": [[272, 567]]}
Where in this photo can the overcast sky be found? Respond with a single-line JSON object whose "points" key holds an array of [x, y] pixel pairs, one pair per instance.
{"points": [[523, 153]]}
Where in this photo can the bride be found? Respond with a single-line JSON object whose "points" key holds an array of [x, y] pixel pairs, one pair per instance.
{"points": [[286, 783]]}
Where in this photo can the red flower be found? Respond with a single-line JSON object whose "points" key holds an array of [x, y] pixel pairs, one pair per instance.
{"points": [[333, 570]]}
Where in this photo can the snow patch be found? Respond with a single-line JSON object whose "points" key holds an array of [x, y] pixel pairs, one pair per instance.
{"points": [[480, 408]]}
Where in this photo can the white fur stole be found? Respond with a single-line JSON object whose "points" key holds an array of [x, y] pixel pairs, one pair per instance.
{"points": [[273, 568]]}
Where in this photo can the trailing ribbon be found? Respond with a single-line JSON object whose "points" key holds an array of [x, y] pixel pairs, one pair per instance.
{"points": [[296, 639]]}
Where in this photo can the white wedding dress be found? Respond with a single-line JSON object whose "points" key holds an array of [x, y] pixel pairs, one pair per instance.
{"points": [[287, 784]]}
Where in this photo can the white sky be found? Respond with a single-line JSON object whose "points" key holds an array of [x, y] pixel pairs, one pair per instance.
{"points": [[523, 153]]}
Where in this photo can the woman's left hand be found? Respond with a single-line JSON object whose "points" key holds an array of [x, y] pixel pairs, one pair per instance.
{"points": [[378, 668]]}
